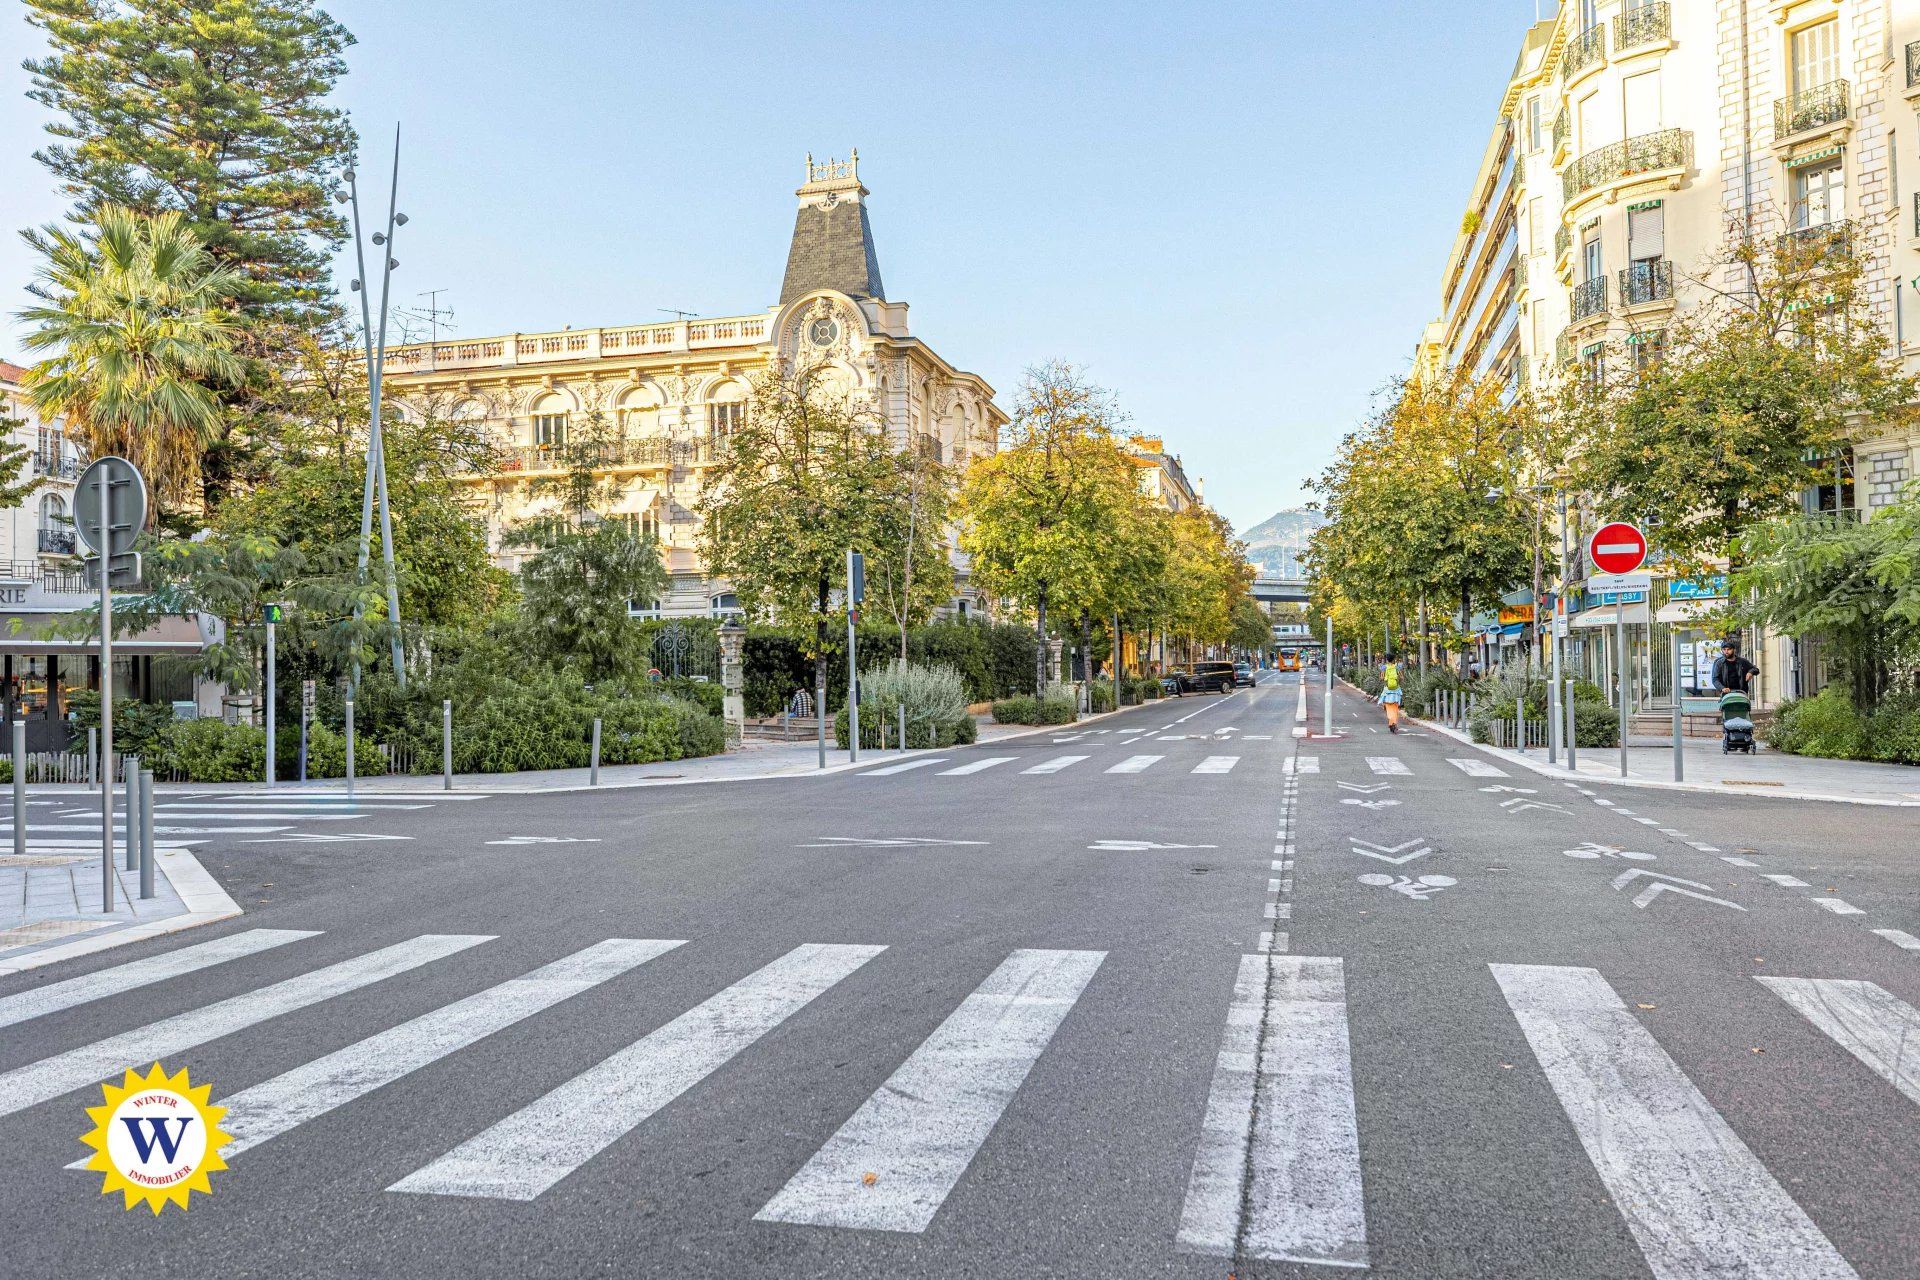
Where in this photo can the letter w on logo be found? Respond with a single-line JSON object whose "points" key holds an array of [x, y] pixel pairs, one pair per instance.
{"points": [[156, 1135]]}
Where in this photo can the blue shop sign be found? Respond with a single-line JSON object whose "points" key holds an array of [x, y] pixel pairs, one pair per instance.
{"points": [[1713, 587], [1619, 597]]}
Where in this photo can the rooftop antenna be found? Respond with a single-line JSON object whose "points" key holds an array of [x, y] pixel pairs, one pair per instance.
{"points": [[434, 315], [679, 314]]}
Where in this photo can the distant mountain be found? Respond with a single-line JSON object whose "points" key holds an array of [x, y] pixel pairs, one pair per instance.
{"points": [[1274, 545]]}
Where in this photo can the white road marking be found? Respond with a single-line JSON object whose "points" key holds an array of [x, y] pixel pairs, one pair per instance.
{"points": [[1217, 764], [1659, 882], [977, 766], [1139, 846], [1479, 768], [181, 815], [1279, 911], [1900, 938], [902, 767], [1738, 862], [1389, 765], [120, 828], [89, 1064], [102, 983], [1840, 906], [270, 1108], [1866, 1020], [1704, 848], [280, 807], [1055, 765], [535, 1147], [1300, 764], [1785, 882], [1272, 942], [1669, 831], [1136, 764], [1699, 1203], [1298, 1172], [921, 1129]]}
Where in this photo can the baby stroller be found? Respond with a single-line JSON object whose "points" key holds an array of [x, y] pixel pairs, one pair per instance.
{"points": [[1736, 729]]}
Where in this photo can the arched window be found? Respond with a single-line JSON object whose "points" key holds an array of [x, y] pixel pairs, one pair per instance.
{"points": [[724, 605]]}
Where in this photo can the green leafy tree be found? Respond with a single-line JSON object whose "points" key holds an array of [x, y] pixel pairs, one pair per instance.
{"points": [[587, 568], [1251, 629], [134, 315], [1046, 518], [16, 486], [1855, 584], [810, 475], [910, 585], [1753, 395]]}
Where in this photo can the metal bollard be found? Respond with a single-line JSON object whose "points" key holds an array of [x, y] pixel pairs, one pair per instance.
{"points": [[20, 787], [93, 757], [1520, 724], [1573, 739], [349, 748], [130, 773], [903, 726], [446, 745], [1553, 723], [593, 777], [147, 852]]}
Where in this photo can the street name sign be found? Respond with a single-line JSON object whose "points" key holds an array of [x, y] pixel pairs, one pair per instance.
{"points": [[1617, 548], [1608, 583]]}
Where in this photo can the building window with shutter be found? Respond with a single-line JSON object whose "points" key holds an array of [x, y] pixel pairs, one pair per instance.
{"points": [[724, 419], [549, 432], [1814, 56]]}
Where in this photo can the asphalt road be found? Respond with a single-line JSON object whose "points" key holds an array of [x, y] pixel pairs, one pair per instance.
{"points": [[1259, 1004]]}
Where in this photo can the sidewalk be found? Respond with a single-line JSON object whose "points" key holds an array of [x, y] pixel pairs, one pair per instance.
{"points": [[50, 905], [755, 760], [1707, 769]]}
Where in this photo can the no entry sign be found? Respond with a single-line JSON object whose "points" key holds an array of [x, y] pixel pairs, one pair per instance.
{"points": [[1617, 548]]}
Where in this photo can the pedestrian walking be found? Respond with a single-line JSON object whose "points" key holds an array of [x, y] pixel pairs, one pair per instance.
{"points": [[1390, 690]]}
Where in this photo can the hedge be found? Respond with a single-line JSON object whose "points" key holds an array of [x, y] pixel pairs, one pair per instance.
{"points": [[1829, 725]]}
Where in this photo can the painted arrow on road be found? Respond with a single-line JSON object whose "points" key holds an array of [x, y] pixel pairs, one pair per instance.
{"points": [[1385, 853], [1372, 804], [1366, 789], [1656, 887], [1517, 805], [881, 842], [323, 838], [1524, 791], [1140, 846]]}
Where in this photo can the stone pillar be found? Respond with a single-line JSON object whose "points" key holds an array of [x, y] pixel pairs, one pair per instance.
{"points": [[1054, 672], [733, 680]]}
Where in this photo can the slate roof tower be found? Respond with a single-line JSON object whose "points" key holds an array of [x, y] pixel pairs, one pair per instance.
{"points": [[832, 239]]}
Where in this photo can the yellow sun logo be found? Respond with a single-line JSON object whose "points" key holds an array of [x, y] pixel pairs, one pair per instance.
{"points": [[156, 1138]]}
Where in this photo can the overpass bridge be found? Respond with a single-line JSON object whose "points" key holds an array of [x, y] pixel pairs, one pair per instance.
{"points": [[1280, 590]]}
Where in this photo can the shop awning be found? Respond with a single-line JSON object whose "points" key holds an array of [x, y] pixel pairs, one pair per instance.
{"points": [[1604, 616], [34, 638], [1686, 610]]}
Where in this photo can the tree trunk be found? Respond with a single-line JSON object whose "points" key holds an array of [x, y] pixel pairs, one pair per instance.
{"points": [[1466, 629], [1040, 652], [1086, 646]]}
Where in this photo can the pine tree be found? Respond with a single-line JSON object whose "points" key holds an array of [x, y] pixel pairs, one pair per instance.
{"points": [[214, 108]]}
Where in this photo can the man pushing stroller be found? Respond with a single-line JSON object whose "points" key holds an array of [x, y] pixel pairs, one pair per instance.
{"points": [[1733, 681]]}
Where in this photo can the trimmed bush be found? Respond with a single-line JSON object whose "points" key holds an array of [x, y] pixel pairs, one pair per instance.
{"points": [[1827, 724], [934, 698], [1021, 708]]}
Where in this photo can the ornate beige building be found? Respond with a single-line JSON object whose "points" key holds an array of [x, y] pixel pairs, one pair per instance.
{"points": [[669, 390]]}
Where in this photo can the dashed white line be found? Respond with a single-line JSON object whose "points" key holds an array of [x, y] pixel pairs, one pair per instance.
{"points": [[1840, 906]]}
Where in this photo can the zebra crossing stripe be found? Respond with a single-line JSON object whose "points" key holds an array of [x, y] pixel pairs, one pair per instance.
{"points": [[1479, 768], [1217, 764], [1297, 1171], [1136, 764], [903, 767], [274, 1106], [89, 1064], [1054, 765], [1866, 1020], [921, 1129], [1900, 938], [1392, 766], [89, 987], [1300, 764], [1698, 1202], [977, 766], [523, 1155]]}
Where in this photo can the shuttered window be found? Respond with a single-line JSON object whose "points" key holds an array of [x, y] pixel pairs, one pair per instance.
{"points": [[1646, 234]]}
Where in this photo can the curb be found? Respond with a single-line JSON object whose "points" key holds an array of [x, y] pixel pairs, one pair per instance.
{"points": [[206, 903], [1561, 774]]}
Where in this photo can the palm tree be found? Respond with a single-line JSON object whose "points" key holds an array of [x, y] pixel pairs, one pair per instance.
{"points": [[134, 311]]}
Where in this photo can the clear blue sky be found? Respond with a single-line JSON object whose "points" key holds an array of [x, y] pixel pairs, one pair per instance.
{"points": [[1234, 215]]}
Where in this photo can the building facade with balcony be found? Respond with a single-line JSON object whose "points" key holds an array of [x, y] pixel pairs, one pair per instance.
{"points": [[662, 394], [1649, 133], [1162, 478], [41, 664]]}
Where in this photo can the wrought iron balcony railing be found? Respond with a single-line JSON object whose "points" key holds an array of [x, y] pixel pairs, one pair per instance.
{"points": [[1584, 50], [1644, 282], [1814, 108], [1589, 298], [1562, 131], [58, 466], [1819, 241], [651, 451], [56, 542], [1562, 350], [1562, 242], [1645, 25], [1913, 64], [1646, 153], [1916, 213]]}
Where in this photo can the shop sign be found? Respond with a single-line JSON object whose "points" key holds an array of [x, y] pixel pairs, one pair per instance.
{"points": [[1513, 613], [1708, 588]]}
